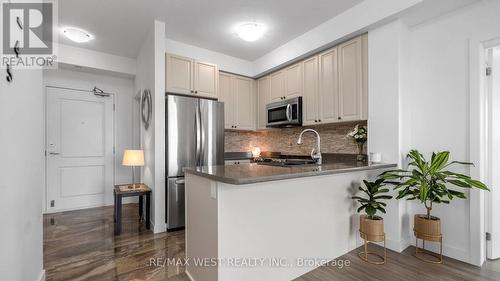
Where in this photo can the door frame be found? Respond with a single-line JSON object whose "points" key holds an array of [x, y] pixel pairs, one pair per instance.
{"points": [[478, 143], [45, 203]]}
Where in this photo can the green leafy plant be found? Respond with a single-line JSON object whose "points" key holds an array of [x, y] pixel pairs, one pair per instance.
{"points": [[428, 181], [371, 204]]}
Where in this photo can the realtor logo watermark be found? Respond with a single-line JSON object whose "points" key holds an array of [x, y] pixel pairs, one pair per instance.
{"points": [[28, 34]]}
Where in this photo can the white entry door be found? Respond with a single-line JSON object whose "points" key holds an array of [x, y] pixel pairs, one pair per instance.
{"points": [[79, 149]]}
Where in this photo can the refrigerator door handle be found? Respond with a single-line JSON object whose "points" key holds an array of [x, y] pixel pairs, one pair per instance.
{"points": [[202, 144], [198, 134]]}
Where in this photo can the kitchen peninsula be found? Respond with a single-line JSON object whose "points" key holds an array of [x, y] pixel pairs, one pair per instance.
{"points": [[281, 216]]}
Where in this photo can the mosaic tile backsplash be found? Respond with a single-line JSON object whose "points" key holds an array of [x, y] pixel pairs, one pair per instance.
{"points": [[334, 139]]}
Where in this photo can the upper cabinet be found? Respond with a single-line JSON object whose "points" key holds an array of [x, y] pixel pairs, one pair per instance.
{"points": [[328, 87], [293, 82], [333, 85], [263, 98], [286, 83], [179, 74], [277, 83], [239, 96], [191, 77], [310, 98], [350, 80]]}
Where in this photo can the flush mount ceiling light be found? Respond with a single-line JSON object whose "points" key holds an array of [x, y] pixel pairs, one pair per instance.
{"points": [[250, 31], [77, 35]]}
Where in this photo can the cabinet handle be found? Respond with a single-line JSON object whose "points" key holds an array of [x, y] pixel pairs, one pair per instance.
{"points": [[340, 118], [192, 91], [195, 92], [319, 120]]}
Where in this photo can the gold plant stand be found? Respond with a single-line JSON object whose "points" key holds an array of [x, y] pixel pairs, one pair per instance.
{"points": [[365, 254], [421, 252]]}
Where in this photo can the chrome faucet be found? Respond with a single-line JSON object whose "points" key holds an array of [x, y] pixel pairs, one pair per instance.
{"points": [[315, 152]]}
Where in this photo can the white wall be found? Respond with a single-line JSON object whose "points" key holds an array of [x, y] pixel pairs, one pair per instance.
{"points": [[225, 62], [151, 75], [385, 69], [126, 113], [21, 179], [437, 102]]}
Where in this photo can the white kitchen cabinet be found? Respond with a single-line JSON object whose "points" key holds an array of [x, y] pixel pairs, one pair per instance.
{"points": [[226, 96], [191, 77], [179, 74], [263, 98], [206, 79], [328, 87], [293, 82], [237, 162], [245, 99], [310, 99], [239, 96], [277, 81], [350, 80]]}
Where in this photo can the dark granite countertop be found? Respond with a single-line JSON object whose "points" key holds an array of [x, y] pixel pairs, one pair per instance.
{"points": [[255, 173]]}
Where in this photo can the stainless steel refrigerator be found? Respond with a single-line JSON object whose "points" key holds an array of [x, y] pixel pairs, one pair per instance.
{"points": [[195, 137]]}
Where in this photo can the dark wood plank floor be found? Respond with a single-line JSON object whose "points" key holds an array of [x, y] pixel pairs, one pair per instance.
{"points": [[80, 245]]}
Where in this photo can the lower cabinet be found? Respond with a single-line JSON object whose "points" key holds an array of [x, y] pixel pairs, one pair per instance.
{"points": [[239, 96], [236, 162]]}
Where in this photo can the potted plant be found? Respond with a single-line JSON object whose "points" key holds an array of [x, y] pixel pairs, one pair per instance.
{"points": [[360, 135], [371, 226], [429, 182]]}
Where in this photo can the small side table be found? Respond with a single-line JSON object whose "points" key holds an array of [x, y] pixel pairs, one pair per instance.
{"points": [[125, 190]]}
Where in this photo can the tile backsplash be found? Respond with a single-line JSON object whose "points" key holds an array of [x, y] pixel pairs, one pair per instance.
{"points": [[333, 140]]}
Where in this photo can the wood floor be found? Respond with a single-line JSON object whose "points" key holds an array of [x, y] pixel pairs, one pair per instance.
{"points": [[80, 245]]}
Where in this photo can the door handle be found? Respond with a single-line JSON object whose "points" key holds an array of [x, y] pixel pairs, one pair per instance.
{"points": [[289, 112], [198, 134]]}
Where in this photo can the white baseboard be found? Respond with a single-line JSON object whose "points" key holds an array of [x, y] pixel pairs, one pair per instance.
{"points": [[158, 228], [42, 275], [189, 276]]}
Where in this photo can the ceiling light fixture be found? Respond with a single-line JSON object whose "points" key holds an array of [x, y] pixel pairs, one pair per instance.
{"points": [[77, 35], [250, 31]]}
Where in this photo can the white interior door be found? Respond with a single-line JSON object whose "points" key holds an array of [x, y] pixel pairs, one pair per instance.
{"points": [[79, 139]]}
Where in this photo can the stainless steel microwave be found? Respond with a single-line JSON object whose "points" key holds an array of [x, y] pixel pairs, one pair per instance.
{"points": [[286, 113]]}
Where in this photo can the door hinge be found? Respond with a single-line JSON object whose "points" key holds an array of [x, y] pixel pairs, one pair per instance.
{"points": [[488, 236], [488, 71], [52, 203]]}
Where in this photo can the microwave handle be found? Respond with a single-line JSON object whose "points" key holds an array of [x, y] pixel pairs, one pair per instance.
{"points": [[289, 112]]}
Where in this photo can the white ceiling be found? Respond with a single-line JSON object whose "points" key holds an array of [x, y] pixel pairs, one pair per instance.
{"points": [[119, 26], [210, 23]]}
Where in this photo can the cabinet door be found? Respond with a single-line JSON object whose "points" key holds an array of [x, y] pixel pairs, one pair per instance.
{"points": [[293, 82], [179, 75], [328, 86], [206, 79], [245, 103], [310, 99], [350, 80], [277, 86], [226, 96], [264, 90]]}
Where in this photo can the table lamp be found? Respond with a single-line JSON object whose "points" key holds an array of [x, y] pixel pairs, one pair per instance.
{"points": [[134, 158]]}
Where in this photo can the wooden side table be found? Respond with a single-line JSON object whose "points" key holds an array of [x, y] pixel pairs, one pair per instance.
{"points": [[125, 190]]}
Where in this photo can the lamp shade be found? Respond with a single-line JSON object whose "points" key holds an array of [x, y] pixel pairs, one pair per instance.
{"points": [[133, 158]]}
